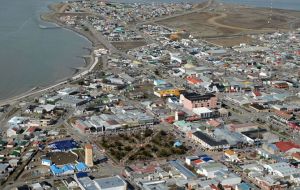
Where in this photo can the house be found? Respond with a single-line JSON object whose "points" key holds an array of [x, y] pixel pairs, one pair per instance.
{"points": [[270, 148], [12, 131], [70, 183], [203, 112], [37, 186], [295, 178], [281, 169], [4, 168], [242, 127], [166, 91], [243, 186], [184, 172], [296, 156], [60, 171], [227, 178], [209, 142], [190, 159], [193, 80], [231, 156], [14, 162], [46, 162], [194, 100], [210, 169], [288, 147]]}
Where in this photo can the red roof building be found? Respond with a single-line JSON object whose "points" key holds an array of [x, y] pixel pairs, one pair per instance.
{"points": [[296, 156], [288, 147], [193, 80], [256, 93], [213, 123]]}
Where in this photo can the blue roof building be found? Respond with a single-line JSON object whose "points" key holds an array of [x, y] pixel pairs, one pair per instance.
{"points": [[81, 174], [177, 144], [65, 170], [64, 145], [206, 159], [81, 167], [243, 186]]}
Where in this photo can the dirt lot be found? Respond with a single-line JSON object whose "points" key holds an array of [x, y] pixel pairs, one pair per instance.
{"points": [[256, 19], [128, 45], [196, 23], [224, 21], [231, 41]]}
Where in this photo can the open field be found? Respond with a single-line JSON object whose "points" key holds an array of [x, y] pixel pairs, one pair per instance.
{"points": [[224, 21], [128, 45], [231, 41]]}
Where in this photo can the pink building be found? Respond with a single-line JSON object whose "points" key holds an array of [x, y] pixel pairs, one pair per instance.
{"points": [[194, 100]]}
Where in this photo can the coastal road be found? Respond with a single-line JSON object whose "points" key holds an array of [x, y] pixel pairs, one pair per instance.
{"points": [[101, 39], [34, 93]]}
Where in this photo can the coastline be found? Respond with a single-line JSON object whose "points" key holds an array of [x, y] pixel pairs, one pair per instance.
{"points": [[87, 65]]}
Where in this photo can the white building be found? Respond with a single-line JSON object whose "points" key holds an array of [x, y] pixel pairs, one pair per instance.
{"points": [[281, 169], [209, 169]]}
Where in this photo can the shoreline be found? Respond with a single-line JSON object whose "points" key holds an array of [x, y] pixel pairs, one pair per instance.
{"points": [[88, 65]]}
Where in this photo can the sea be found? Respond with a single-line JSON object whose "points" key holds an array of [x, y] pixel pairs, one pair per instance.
{"points": [[32, 55]]}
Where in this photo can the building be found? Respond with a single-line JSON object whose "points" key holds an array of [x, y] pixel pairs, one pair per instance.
{"points": [[242, 127], [46, 162], [231, 156], [203, 112], [70, 183], [60, 171], [194, 100], [111, 183], [166, 91], [70, 102], [89, 155], [184, 172], [281, 169], [63, 145], [288, 147], [209, 142], [210, 169], [83, 126]]}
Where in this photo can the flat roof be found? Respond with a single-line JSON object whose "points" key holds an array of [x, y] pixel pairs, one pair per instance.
{"points": [[182, 169], [196, 97], [209, 140], [110, 182]]}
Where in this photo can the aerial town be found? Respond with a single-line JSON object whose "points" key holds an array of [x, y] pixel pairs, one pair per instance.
{"points": [[161, 107]]}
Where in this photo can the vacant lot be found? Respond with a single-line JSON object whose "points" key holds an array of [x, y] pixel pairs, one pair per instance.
{"points": [[224, 21], [231, 41], [128, 45]]}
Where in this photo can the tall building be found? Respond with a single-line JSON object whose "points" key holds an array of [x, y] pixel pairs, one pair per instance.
{"points": [[89, 155], [194, 100]]}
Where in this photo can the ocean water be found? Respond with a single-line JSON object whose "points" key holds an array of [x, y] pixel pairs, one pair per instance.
{"points": [[31, 56]]}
